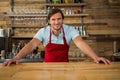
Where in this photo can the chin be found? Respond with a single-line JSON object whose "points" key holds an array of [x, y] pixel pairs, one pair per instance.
{"points": [[57, 27]]}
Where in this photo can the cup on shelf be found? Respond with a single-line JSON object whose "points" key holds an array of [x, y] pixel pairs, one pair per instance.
{"points": [[2, 54]]}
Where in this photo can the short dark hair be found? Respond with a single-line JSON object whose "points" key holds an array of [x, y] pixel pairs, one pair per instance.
{"points": [[54, 11]]}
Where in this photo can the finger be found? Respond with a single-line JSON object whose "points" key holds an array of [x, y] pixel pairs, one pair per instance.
{"points": [[109, 62], [4, 63], [96, 61], [105, 60], [17, 62], [9, 63]]}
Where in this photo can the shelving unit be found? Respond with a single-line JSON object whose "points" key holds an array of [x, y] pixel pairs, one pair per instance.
{"points": [[21, 17], [26, 15], [66, 5], [26, 23], [73, 13], [22, 37], [39, 15]]}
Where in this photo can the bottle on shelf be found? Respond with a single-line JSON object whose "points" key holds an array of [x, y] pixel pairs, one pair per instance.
{"points": [[2, 54], [66, 1], [78, 1], [48, 10], [55, 1], [48, 1], [13, 49], [61, 1]]}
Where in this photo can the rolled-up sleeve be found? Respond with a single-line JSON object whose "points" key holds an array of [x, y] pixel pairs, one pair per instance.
{"points": [[74, 33], [39, 34]]}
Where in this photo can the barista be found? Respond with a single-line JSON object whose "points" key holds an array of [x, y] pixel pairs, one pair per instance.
{"points": [[56, 38]]}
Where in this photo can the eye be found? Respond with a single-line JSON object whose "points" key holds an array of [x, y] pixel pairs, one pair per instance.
{"points": [[53, 19], [59, 18]]}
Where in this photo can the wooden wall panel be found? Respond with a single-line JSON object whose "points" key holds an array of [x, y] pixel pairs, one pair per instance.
{"points": [[4, 4], [4, 9], [101, 48], [100, 11]]}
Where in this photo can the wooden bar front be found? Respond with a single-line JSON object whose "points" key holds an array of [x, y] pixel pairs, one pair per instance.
{"points": [[61, 71]]}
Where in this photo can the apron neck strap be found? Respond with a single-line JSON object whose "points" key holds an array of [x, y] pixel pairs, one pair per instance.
{"points": [[51, 34]]}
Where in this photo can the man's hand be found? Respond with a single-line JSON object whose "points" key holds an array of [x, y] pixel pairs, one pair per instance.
{"points": [[102, 60], [9, 62]]}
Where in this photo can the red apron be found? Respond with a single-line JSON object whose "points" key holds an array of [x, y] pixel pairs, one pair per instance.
{"points": [[56, 52]]}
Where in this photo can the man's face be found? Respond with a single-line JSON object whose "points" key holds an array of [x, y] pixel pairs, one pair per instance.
{"points": [[56, 21]]}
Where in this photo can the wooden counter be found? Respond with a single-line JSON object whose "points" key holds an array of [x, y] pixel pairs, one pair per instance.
{"points": [[61, 71]]}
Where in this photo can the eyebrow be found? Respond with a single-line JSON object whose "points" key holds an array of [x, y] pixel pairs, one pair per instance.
{"points": [[56, 18]]}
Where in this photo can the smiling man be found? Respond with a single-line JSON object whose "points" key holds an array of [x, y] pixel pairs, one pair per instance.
{"points": [[56, 39]]}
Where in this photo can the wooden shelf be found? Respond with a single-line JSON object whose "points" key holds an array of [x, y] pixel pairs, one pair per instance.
{"points": [[19, 37], [66, 5], [27, 35], [93, 23], [77, 15], [27, 15], [32, 36], [45, 15], [26, 26], [103, 32]]}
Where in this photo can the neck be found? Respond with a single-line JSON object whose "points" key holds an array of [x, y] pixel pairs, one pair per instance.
{"points": [[56, 32]]}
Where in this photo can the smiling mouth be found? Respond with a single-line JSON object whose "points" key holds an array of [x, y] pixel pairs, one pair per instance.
{"points": [[57, 25]]}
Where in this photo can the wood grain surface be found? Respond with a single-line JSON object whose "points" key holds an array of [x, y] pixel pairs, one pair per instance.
{"points": [[61, 71]]}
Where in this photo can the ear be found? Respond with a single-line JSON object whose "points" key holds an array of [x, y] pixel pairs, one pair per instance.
{"points": [[48, 21]]}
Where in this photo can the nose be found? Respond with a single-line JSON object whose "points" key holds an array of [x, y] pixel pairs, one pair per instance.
{"points": [[56, 21]]}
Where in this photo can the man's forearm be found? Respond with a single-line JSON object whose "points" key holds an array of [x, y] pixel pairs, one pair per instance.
{"points": [[24, 51], [84, 47], [88, 50]]}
